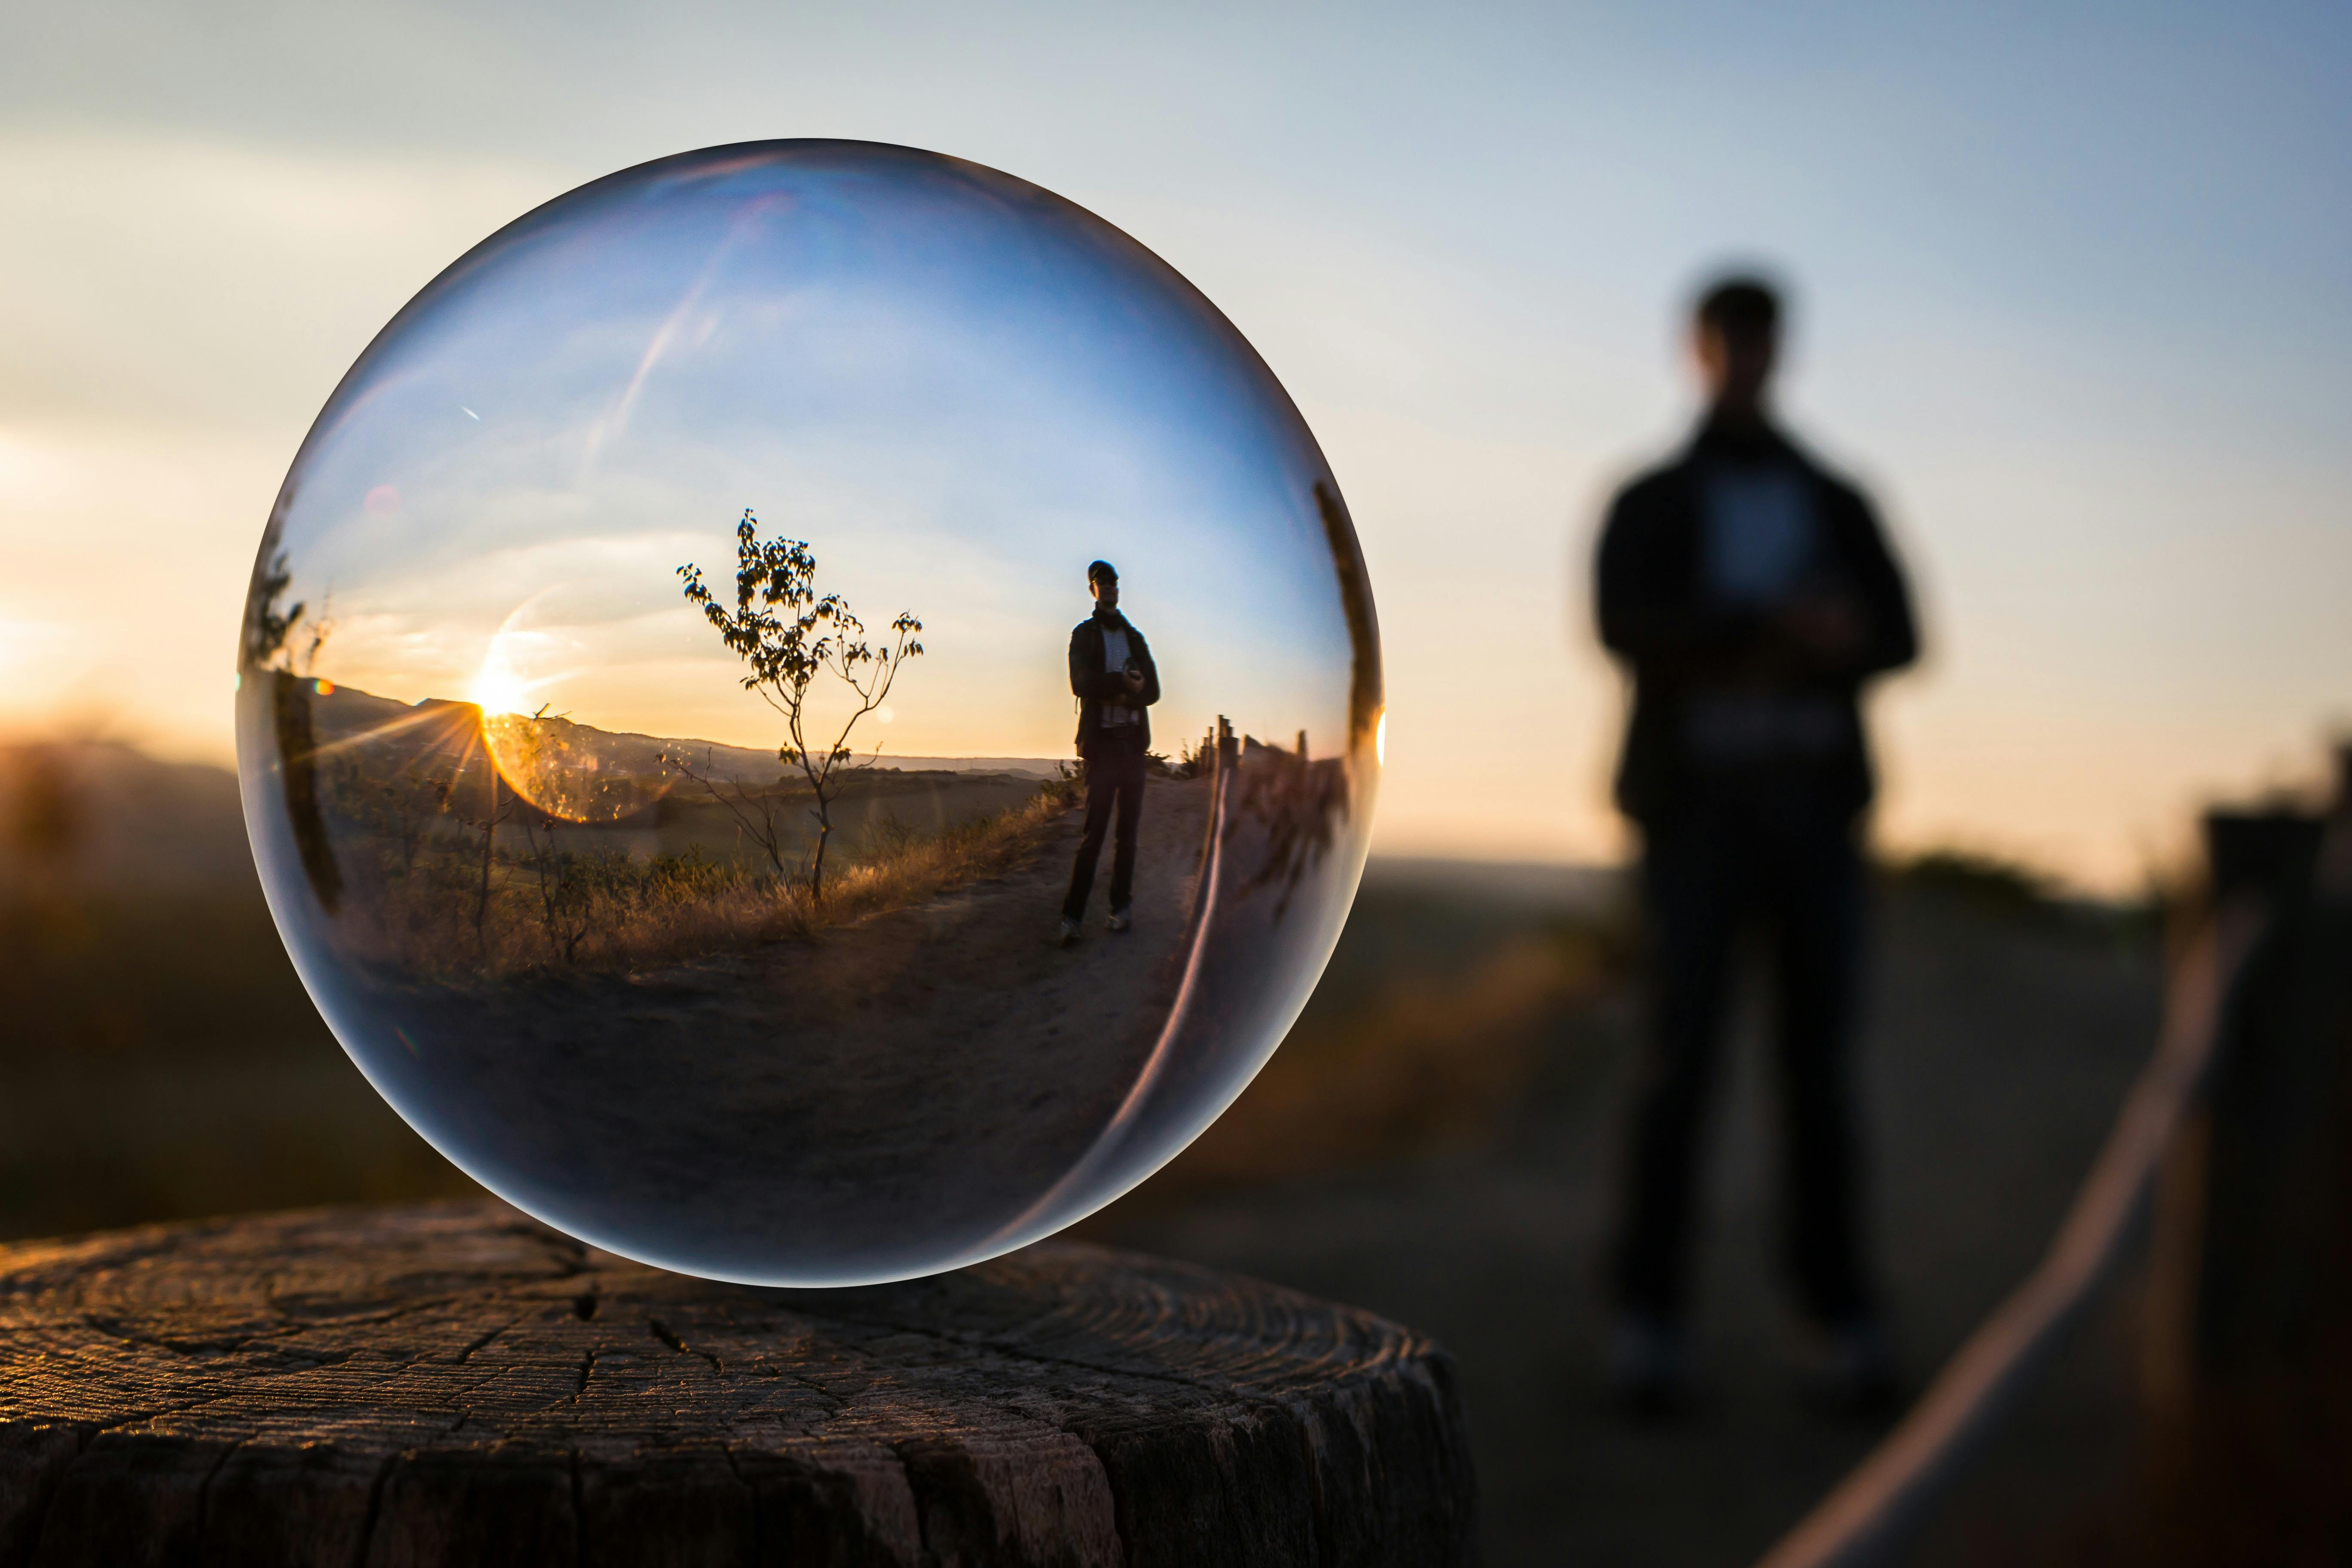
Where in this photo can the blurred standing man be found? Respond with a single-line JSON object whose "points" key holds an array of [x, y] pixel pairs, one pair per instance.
{"points": [[1114, 679], [1751, 593]]}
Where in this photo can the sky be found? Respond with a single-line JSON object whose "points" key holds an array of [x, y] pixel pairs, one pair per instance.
{"points": [[2072, 290]]}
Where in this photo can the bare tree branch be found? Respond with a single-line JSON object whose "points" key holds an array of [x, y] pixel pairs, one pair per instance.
{"points": [[789, 634]]}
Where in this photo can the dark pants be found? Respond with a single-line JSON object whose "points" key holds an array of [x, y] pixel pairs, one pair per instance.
{"points": [[1114, 776], [1767, 856]]}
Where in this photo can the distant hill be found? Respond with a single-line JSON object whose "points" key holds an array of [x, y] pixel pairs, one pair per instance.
{"points": [[124, 817], [1516, 887], [108, 815], [105, 814], [346, 713], [1026, 767]]}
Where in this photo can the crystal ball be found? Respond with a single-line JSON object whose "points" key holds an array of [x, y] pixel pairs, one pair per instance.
{"points": [[809, 712]]}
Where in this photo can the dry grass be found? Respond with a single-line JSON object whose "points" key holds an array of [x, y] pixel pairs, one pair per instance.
{"points": [[1427, 1059], [548, 908], [905, 869]]}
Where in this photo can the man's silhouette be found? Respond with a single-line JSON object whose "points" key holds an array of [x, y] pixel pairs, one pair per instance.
{"points": [[1115, 683], [1751, 593]]}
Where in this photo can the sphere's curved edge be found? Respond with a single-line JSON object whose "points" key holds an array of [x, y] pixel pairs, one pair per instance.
{"points": [[1060, 1221], [299, 924]]}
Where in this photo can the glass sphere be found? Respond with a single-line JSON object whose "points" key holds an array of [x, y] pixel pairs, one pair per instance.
{"points": [[661, 715]]}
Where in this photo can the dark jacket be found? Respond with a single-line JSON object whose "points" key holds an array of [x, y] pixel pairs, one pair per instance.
{"points": [[1656, 615], [1093, 685]]}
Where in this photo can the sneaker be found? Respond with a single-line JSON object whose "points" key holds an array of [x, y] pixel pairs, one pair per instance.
{"points": [[1649, 1369], [1070, 931], [1852, 1372], [1118, 920]]}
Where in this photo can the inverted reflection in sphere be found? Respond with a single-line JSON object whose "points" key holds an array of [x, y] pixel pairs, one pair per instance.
{"points": [[658, 695]]}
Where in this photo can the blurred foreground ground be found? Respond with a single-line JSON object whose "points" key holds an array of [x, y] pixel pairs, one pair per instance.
{"points": [[1436, 1142]]}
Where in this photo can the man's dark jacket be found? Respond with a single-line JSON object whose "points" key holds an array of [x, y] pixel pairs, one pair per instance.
{"points": [[1094, 686], [1656, 615]]}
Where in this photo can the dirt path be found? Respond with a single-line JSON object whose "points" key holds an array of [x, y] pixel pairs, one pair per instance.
{"points": [[871, 1095]]}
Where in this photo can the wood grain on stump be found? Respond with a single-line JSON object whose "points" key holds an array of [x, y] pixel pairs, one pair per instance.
{"points": [[455, 1384]]}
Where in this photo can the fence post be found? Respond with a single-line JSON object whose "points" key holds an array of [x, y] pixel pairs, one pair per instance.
{"points": [[2247, 1356]]}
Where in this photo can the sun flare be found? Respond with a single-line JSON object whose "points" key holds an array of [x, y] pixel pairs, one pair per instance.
{"points": [[498, 687]]}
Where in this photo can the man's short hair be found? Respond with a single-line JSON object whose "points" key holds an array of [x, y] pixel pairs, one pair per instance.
{"points": [[1101, 570], [1740, 306]]}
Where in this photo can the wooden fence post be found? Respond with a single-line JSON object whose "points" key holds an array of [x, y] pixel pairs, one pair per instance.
{"points": [[2248, 1348], [453, 1383]]}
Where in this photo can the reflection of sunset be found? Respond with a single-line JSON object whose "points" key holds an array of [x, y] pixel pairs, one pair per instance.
{"points": [[498, 688], [557, 766], [498, 692], [553, 764]]}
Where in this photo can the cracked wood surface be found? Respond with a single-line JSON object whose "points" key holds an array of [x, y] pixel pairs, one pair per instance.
{"points": [[455, 1384]]}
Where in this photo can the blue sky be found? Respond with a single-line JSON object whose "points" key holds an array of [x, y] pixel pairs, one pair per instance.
{"points": [[2072, 290]]}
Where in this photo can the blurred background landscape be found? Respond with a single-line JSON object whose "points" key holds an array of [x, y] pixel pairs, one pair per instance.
{"points": [[1435, 1141]]}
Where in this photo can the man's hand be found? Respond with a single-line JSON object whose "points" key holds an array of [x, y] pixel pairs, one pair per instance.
{"points": [[1134, 679]]}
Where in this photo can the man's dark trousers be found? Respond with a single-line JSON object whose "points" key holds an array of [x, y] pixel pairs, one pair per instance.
{"points": [[1732, 854], [1114, 775]]}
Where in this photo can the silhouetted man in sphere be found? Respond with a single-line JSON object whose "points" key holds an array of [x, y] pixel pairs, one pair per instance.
{"points": [[1752, 595], [1115, 683]]}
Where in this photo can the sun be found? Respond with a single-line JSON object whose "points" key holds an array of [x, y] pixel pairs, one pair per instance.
{"points": [[497, 688]]}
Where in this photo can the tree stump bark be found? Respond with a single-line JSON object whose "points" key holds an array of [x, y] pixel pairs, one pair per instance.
{"points": [[455, 1384]]}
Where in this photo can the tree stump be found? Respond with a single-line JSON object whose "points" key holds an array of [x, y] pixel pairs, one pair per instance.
{"points": [[455, 1384]]}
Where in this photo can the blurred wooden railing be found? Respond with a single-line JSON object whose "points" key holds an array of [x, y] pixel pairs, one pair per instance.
{"points": [[2271, 875]]}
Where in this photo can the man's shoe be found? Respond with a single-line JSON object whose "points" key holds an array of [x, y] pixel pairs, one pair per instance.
{"points": [[1070, 931], [1852, 1373], [1118, 920], [1649, 1369]]}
